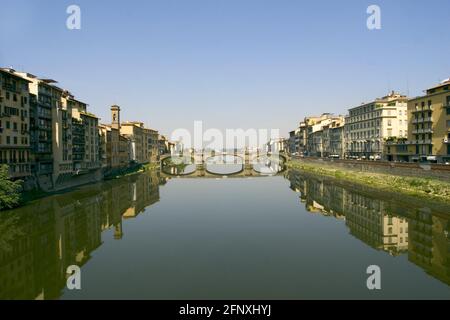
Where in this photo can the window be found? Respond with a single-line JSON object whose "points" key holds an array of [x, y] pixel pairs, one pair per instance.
{"points": [[15, 126], [8, 140], [8, 125], [389, 123], [15, 140]]}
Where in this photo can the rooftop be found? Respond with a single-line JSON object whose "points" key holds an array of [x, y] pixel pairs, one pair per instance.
{"points": [[13, 73], [443, 83]]}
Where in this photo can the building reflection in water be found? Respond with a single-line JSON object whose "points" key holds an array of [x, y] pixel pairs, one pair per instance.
{"points": [[38, 242], [384, 224]]}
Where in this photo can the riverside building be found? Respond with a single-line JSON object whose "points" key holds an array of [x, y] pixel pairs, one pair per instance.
{"points": [[368, 126]]}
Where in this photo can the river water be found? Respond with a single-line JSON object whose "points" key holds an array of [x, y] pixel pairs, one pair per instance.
{"points": [[289, 236]]}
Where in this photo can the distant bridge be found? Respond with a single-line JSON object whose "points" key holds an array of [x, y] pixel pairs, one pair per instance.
{"points": [[200, 160]]}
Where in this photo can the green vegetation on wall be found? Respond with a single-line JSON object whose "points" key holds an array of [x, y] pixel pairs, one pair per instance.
{"points": [[9, 190]]}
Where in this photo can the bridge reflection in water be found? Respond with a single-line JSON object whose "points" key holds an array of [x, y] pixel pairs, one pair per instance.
{"points": [[38, 242]]}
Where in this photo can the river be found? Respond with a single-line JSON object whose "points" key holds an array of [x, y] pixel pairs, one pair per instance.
{"points": [[288, 236]]}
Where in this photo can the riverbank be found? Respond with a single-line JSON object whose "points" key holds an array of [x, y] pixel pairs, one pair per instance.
{"points": [[32, 195], [427, 188]]}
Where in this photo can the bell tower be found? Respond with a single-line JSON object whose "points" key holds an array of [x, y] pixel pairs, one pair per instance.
{"points": [[115, 117]]}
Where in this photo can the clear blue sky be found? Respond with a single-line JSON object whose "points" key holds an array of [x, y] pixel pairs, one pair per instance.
{"points": [[231, 63]]}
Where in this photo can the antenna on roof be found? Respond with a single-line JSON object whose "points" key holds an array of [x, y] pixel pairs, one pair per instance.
{"points": [[389, 85], [407, 87]]}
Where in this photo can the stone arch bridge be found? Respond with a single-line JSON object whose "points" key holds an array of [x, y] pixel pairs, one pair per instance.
{"points": [[247, 159]]}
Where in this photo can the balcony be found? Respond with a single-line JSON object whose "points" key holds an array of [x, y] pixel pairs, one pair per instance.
{"points": [[422, 120], [45, 151], [9, 87], [45, 158], [423, 109], [419, 131], [44, 115], [46, 170], [414, 142], [15, 172]]}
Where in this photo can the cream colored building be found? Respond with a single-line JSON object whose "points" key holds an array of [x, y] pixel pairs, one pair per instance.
{"points": [[86, 155], [333, 142], [368, 126], [62, 139], [302, 144], [46, 102], [138, 136], [322, 133], [14, 123], [153, 145]]}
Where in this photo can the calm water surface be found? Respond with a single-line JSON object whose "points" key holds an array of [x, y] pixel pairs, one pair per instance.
{"points": [[291, 236]]}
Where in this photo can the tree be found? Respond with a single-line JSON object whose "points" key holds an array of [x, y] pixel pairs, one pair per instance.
{"points": [[9, 190]]}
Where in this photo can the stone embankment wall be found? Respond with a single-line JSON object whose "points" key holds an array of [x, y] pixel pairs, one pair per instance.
{"points": [[79, 180], [418, 170]]}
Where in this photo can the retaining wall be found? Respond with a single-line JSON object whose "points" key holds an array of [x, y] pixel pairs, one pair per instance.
{"points": [[419, 170]]}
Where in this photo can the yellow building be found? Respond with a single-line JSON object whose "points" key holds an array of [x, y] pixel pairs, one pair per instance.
{"points": [[14, 124], [153, 145], [429, 125], [124, 151], [116, 146], [85, 135], [428, 129], [62, 139], [138, 136], [326, 136]]}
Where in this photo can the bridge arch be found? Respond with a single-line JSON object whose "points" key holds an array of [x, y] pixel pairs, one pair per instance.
{"points": [[164, 166], [242, 164]]}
